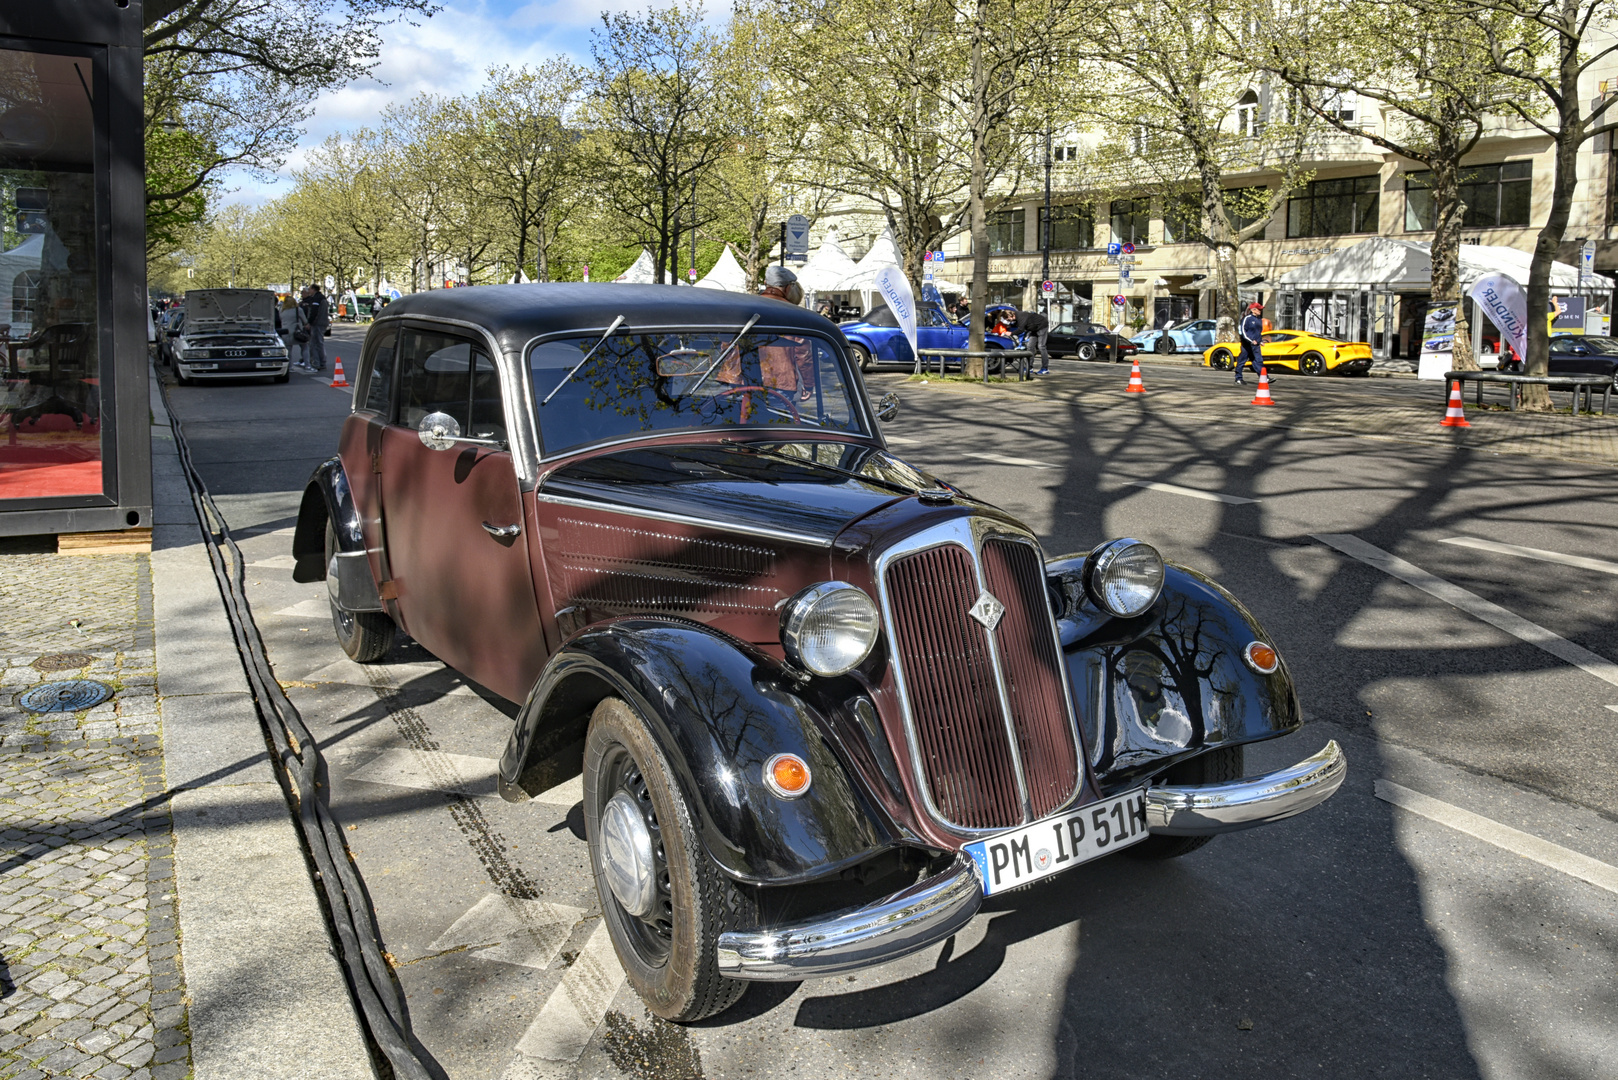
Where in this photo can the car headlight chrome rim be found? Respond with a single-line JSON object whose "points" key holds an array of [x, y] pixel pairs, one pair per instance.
{"points": [[1124, 577], [829, 629]]}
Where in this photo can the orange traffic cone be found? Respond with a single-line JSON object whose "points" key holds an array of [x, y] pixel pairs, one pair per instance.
{"points": [[1454, 416], [1263, 396], [338, 379], [1135, 384]]}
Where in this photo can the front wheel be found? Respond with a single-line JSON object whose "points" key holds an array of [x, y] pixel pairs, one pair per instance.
{"points": [[664, 901], [1312, 363], [860, 355], [1164, 345], [1217, 766], [365, 636]]}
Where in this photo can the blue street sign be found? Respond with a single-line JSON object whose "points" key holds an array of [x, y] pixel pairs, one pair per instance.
{"points": [[938, 256], [1115, 248]]}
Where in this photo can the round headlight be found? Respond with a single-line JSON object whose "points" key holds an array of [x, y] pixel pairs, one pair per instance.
{"points": [[1124, 577], [828, 629]]}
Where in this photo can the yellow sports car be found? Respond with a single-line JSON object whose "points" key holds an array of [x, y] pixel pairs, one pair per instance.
{"points": [[1295, 350]]}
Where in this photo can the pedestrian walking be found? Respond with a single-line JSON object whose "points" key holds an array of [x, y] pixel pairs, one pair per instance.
{"points": [[318, 311], [1036, 331], [294, 330], [1250, 332]]}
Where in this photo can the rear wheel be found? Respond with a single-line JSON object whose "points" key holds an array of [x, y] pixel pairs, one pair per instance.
{"points": [[1220, 358], [1164, 345], [366, 636], [1312, 363], [664, 901], [1218, 766], [860, 355], [1085, 351]]}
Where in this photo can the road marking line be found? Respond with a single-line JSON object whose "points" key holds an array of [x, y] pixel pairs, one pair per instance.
{"points": [[1533, 553], [409, 768], [1614, 708], [1006, 459], [1175, 489], [565, 1025], [528, 933], [276, 562], [902, 441], [1474, 605], [1527, 845], [307, 609], [568, 793]]}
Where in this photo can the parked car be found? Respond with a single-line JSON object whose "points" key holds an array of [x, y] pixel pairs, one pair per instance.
{"points": [[1090, 341], [877, 340], [1189, 335], [172, 321], [1298, 351], [229, 334], [1582, 354], [824, 702]]}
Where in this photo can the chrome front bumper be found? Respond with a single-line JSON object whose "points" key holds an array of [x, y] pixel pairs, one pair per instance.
{"points": [[1209, 809], [931, 910]]}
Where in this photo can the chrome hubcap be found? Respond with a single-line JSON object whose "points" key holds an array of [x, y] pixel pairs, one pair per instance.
{"points": [[627, 855]]}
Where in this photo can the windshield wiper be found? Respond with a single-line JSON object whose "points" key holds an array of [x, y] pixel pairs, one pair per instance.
{"points": [[770, 451], [723, 354], [616, 323]]}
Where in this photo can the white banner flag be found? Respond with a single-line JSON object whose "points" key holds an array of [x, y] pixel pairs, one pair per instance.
{"points": [[1506, 305], [895, 289]]}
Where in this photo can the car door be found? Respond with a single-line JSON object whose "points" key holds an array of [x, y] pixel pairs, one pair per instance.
{"points": [[934, 331], [1201, 333], [1281, 348], [456, 534]]}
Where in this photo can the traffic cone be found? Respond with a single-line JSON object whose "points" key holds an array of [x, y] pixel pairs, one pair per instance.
{"points": [[1135, 384], [1263, 396], [1454, 416], [338, 379]]}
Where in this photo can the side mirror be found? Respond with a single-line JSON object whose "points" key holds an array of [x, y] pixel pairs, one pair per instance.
{"points": [[887, 407], [1579, 350], [438, 431]]}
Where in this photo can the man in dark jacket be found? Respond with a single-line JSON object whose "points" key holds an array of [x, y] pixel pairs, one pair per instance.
{"points": [[1251, 332], [1036, 329], [318, 312]]}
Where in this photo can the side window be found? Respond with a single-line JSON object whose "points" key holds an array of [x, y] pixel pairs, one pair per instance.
{"points": [[379, 387], [488, 413], [435, 375]]}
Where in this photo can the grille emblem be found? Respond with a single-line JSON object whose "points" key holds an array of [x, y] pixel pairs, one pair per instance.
{"points": [[987, 610]]}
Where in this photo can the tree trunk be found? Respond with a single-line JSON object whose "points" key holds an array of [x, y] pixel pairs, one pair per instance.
{"points": [[1547, 245], [976, 209], [1449, 214]]}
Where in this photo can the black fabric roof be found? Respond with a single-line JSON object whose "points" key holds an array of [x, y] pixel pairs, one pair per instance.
{"points": [[515, 314]]}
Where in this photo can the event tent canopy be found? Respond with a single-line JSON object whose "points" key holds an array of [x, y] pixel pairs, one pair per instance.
{"points": [[642, 272], [727, 274], [827, 267], [1384, 263]]}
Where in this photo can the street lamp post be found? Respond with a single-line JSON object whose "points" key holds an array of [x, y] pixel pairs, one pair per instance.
{"points": [[1045, 229]]}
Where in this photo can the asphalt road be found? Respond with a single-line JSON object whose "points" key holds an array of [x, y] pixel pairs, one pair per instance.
{"points": [[1456, 934]]}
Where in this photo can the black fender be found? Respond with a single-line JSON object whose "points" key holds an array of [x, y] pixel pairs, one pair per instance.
{"points": [[718, 709], [1169, 684], [328, 498]]}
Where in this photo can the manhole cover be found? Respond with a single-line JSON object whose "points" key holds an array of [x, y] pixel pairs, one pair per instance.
{"points": [[64, 661], [71, 695]]}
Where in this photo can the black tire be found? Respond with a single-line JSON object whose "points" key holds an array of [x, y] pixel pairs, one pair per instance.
{"points": [[1312, 363], [669, 956], [365, 636], [1163, 345], [860, 355], [996, 366], [1220, 360], [1086, 351], [1217, 766]]}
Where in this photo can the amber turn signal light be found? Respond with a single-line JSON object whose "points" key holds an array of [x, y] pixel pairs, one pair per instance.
{"points": [[1261, 658], [787, 775]]}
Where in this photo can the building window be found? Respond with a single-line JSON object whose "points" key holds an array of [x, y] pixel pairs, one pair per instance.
{"points": [[1073, 228], [1006, 231], [1182, 217], [1247, 116], [1065, 153], [1130, 220], [1494, 195], [1334, 207]]}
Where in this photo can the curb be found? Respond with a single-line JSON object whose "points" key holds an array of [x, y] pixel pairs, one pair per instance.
{"points": [[259, 962]]}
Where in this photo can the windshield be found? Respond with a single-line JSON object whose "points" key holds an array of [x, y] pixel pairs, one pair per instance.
{"points": [[642, 384]]}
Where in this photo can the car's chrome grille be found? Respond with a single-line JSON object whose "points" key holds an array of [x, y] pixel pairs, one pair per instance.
{"points": [[994, 748]]}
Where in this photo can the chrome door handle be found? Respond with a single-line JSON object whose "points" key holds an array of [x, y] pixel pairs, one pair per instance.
{"points": [[502, 532]]}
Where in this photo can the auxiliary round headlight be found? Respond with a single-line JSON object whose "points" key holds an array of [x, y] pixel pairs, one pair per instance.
{"points": [[830, 628], [1124, 577]]}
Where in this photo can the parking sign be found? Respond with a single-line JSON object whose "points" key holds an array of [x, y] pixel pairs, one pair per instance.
{"points": [[1047, 287]]}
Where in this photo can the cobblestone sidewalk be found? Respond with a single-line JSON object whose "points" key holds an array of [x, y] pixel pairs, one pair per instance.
{"points": [[90, 980]]}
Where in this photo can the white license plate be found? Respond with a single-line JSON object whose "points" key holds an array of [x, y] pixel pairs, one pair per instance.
{"points": [[1060, 843]]}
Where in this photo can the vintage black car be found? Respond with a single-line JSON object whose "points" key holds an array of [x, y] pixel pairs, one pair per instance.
{"points": [[1090, 341], [823, 701]]}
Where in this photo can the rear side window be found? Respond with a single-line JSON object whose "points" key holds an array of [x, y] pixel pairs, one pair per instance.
{"points": [[449, 374], [379, 382]]}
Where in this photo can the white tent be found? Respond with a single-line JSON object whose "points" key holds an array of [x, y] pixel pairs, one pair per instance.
{"points": [[827, 267], [26, 257], [642, 272], [727, 274], [1391, 265]]}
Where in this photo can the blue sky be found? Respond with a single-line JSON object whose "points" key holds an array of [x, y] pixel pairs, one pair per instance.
{"points": [[446, 54]]}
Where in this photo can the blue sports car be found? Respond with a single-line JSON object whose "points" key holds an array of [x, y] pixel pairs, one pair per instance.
{"points": [[877, 339], [1191, 335]]}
